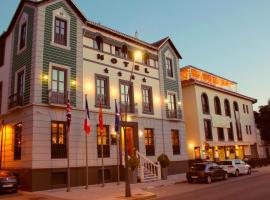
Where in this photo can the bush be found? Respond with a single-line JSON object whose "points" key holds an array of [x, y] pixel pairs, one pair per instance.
{"points": [[163, 160], [133, 162]]}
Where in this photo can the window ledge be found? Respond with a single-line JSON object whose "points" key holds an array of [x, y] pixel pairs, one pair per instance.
{"points": [[103, 106], [21, 50], [60, 46], [170, 78]]}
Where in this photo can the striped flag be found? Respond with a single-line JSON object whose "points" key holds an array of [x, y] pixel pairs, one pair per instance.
{"points": [[100, 118], [117, 119], [87, 126], [68, 115]]}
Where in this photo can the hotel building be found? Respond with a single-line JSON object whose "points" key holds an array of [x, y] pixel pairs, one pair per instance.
{"points": [[51, 53], [219, 121]]}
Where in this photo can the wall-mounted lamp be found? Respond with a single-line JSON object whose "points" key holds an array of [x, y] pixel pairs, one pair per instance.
{"points": [[73, 83], [45, 77]]}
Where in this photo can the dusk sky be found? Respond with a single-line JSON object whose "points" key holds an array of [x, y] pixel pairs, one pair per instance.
{"points": [[228, 38]]}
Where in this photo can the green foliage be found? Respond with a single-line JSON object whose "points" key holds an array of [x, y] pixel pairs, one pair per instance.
{"points": [[133, 162], [163, 160], [262, 120]]}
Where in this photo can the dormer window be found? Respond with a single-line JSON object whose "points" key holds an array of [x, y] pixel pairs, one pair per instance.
{"points": [[22, 34], [169, 68], [60, 31]]}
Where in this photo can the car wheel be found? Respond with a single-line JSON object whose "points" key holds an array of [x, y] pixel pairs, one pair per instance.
{"points": [[249, 171], [208, 179], [236, 173], [225, 176]]}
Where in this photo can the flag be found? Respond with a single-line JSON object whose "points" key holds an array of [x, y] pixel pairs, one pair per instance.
{"points": [[68, 115], [100, 118], [87, 127], [117, 119]]}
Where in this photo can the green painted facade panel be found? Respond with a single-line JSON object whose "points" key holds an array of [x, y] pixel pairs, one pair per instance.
{"points": [[59, 55], [23, 59], [169, 84]]}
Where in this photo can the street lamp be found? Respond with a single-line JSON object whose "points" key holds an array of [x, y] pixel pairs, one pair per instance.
{"points": [[136, 56]]}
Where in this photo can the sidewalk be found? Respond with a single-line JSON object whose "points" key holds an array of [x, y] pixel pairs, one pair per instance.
{"points": [[112, 191]]}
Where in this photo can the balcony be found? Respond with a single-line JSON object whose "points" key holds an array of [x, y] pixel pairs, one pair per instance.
{"points": [[15, 100], [58, 98], [131, 108], [174, 114]]}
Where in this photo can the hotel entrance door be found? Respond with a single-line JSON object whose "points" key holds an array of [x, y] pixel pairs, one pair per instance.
{"points": [[132, 138]]}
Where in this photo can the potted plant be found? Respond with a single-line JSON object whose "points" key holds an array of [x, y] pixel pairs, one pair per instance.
{"points": [[164, 162], [133, 163]]}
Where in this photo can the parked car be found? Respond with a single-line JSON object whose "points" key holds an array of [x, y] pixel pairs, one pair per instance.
{"points": [[207, 172], [235, 167], [8, 181]]}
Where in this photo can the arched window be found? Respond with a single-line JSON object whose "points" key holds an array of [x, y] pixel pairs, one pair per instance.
{"points": [[217, 106], [145, 59], [205, 104], [227, 108], [235, 106], [98, 43], [124, 51]]}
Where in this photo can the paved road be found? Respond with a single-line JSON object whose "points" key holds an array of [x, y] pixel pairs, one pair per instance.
{"points": [[253, 187]]}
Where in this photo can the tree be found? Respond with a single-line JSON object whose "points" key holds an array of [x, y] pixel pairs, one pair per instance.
{"points": [[262, 120]]}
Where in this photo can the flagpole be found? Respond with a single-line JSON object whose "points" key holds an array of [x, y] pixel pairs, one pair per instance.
{"points": [[117, 153], [68, 115], [102, 158], [86, 160]]}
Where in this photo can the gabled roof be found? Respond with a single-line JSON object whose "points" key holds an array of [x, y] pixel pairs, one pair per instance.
{"points": [[161, 42], [36, 3]]}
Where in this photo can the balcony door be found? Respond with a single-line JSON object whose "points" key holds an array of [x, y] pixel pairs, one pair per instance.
{"points": [[58, 93], [20, 87]]}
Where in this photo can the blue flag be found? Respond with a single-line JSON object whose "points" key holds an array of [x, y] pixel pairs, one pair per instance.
{"points": [[117, 119]]}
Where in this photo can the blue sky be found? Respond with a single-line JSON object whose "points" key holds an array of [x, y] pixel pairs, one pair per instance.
{"points": [[229, 38]]}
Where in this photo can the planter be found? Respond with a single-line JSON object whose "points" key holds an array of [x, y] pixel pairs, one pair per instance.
{"points": [[164, 173], [133, 176]]}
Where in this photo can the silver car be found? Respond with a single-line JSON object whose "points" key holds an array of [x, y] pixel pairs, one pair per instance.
{"points": [[235, 167]]}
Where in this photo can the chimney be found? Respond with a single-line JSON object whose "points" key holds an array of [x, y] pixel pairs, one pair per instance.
{"points": [[136, 34]]}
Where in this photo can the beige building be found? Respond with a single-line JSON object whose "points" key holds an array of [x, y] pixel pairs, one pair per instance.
{"points": [[219, 121]]}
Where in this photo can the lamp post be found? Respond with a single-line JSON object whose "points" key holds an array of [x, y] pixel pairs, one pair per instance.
{"points": [[136, 55]]}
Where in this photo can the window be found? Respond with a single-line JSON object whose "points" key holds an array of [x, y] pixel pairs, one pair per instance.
{"points": [[58, 140], [227, 108], [2, 51], [171, 105], [247, 131], [235, 106], [220, 132], [175, 142], [217, 106], [244, 108], [59, 89], [169, 67], [102, 90], [1, 91], [105, 140], [237, 120], [126, 95], [98, 43], [20, 87], [230, 133], [22, 41], [145, 59], [17, 141], [117, 51], [208, 129], [147, 99], [124, 51], [250, 130], [149, 142], [60, 31], [205, 104], [247, 109]]}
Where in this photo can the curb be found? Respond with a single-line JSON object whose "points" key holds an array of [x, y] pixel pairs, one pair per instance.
{"points": [[149, 195]]}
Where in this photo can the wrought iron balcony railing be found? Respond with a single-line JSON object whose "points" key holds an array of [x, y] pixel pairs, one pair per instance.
{"points": [[15, 100], [60, 98]]}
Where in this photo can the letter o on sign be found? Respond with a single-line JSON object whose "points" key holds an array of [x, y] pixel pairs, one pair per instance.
{"points": [[113, 60]]}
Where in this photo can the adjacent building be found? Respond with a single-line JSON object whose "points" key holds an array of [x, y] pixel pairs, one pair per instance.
{"points": [[50, 54], [219, 121]]}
